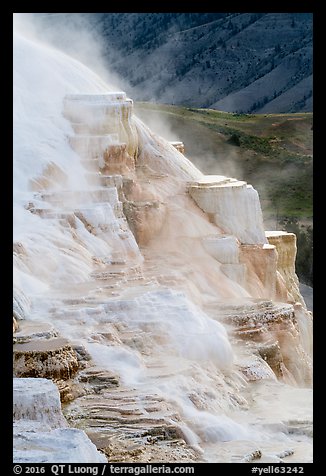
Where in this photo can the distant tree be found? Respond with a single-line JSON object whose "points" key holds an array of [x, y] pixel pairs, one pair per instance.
{"points": [[234, 140], [277, 48]]}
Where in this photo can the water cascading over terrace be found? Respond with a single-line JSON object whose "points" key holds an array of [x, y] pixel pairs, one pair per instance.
{"points": [[154, 300]]}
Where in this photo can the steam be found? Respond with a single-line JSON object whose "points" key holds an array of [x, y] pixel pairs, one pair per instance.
{"points": [[200, 145], [75, 36], [162, 341], [40, 144]]}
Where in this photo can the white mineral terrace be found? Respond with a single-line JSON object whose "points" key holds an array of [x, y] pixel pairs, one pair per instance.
{"points": [[40, 425], [233, 205], [108, 97], [169, 327], [92, 146], [77, 105], [285, 244], [274, 233], [179, 146]]}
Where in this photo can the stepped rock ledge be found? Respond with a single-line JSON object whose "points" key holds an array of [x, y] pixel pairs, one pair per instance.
{"points": [[147, 296]]}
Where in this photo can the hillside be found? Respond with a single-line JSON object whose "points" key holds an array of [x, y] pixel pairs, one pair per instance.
{"points": [[236, 62], [273, 152]]}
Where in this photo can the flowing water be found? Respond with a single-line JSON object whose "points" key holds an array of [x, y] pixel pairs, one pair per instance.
{"points": [[151, 316]]}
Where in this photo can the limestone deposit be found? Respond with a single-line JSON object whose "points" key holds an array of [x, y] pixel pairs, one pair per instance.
{"points": [[147, 292], [285, 244], [40, 426]]}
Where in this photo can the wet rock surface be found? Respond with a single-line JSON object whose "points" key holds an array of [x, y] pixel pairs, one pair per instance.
{"points": [[29, 330], [150, 375], [99, 379], [64, 445], [273, 356], [145, 219], [41, 432], [48, 358], [268, 328], [130, 427], [15, 326], [285, 244], [37, 400]]}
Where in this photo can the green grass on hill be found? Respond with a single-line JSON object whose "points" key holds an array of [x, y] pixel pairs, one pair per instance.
{"points": [[273, 152]]}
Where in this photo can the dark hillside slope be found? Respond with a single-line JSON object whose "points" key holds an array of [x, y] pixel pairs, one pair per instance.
{"points": [[237, 62]]}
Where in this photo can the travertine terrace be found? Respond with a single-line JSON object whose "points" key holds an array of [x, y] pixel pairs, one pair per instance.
{"points": [[154, 300]]}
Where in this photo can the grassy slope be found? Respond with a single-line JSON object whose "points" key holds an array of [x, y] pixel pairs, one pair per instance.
{"points": [[273, 152]]}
